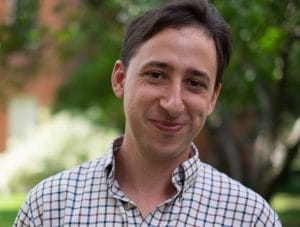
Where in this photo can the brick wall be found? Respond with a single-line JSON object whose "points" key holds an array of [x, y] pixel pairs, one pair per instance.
{"points": [[3, 127], [51, 71]]}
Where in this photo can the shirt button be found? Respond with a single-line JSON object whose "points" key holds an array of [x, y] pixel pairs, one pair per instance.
{"points": [[129, 205], [179, 199]]}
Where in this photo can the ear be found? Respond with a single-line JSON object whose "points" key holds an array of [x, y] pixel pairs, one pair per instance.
{"points": [[118, 79], [214, 98]]}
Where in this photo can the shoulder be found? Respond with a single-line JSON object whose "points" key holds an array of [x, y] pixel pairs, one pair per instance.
{"points": [[79, 173], [72, 180], [232, 197], [55, 193]]}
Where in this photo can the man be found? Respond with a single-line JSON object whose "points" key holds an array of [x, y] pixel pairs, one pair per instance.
{"points": [[169, 78]]}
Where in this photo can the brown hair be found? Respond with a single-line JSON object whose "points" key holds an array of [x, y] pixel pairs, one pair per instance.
{"points": [[178, 14]]}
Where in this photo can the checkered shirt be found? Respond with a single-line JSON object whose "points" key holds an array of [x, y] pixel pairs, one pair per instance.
{"points": [[90, 196]]}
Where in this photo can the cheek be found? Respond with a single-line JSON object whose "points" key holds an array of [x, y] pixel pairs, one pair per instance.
{"points": [[198, 112], [130, 93], [137, 98], [148, 94], [198, 106]]}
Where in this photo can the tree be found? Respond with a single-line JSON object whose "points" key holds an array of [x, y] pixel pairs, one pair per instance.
{"points": [[94, 37], [18, 34], [258, 113]]}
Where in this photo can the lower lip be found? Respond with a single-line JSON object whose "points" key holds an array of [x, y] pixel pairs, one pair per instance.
{"points": [[167, 127]]}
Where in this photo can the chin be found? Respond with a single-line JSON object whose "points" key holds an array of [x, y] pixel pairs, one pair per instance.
{"points": [[166, 152]]}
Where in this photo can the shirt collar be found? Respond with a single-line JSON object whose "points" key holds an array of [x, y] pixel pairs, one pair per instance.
{"points": [[109, 165], [186, 173], [183, 176]]}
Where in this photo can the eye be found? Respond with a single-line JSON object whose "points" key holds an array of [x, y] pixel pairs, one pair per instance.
{"points": [[155, 75], [196, 85]]}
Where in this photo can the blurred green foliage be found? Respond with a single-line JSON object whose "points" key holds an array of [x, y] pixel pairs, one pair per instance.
{"points": [[94, 36], [20, 31], [262, 32], [265, 33]]}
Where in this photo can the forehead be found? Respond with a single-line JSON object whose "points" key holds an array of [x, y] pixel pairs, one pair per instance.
{"points": [[185, 40], [183, 48]]}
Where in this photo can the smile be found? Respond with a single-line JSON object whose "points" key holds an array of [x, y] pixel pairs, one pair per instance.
{"points": [[168, 127]]}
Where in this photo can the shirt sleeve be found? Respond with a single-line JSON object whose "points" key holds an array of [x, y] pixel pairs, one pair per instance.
{"points": [[24, 216], [29, 214], [267, 217]]}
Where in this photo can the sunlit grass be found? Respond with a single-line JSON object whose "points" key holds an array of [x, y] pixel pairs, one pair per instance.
{"points": [[9, 206], [288, 208], [283, 202]]}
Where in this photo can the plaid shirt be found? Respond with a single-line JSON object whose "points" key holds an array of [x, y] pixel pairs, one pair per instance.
{"points": [[90, 196]]}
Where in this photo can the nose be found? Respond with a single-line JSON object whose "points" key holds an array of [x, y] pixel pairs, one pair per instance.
{"points": [[172, 101]]}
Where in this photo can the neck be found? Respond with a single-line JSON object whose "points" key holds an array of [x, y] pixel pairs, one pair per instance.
{"points": [[142, 176], [146, 182]]}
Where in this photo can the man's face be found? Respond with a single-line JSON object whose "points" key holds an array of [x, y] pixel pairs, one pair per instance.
{"points": [[168, 90]]}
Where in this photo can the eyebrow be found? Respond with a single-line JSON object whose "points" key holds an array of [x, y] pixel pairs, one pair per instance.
{"points": [[198, 73], [158, 64]]}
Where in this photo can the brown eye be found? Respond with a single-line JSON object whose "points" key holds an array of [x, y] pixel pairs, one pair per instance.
{"points": [[196, 85], [156, 75]]}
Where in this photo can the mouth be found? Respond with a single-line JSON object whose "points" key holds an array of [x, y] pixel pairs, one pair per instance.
{"points": [[168, 127]]}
